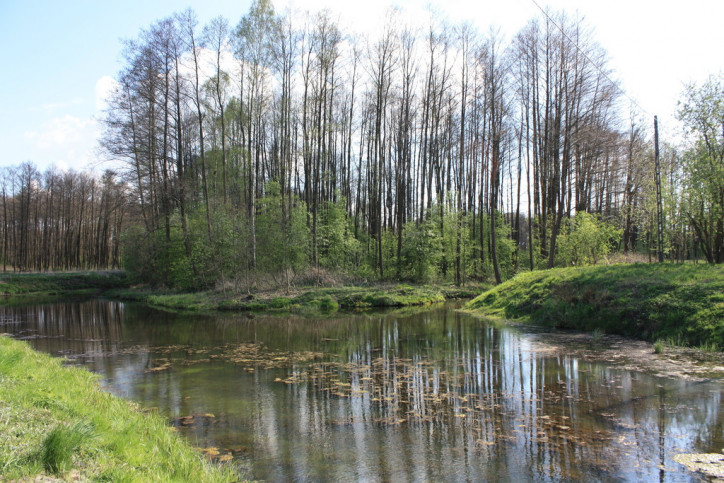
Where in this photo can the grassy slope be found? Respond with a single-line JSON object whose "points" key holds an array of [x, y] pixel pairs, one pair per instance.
{"points": [[680, 303], [55, 419], [312, 298], [60, 282]]}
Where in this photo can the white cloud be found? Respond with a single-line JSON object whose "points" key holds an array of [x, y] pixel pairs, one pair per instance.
{"points": [[54, 106], [104, 87], [66, 141]]}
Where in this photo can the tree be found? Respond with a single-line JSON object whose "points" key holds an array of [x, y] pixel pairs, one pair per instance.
{"points": [[702, 112], [254, 39]]}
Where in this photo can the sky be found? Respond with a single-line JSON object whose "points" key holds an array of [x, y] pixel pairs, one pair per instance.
{"points": [[58, 57]]}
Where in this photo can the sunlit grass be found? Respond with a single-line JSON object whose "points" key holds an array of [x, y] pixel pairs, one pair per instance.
{"points": [[56, 420], [674, 302]]}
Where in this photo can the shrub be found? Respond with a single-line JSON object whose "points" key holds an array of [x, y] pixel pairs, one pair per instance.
{"points": [[588, 240]]}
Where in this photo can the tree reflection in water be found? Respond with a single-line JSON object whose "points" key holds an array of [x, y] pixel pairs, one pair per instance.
{"points": [[432, 394]]}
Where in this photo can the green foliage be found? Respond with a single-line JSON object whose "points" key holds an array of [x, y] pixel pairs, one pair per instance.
{"points": [[139, 255], [421, 251], [588, 240], [505, 247], [659, 346], [338, 248], [702, 112], [282, 241]]}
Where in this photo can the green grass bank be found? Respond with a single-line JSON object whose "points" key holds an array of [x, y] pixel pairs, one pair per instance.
{"points": [[302, 299], [55, 420], [58, 283], [682, 304]]}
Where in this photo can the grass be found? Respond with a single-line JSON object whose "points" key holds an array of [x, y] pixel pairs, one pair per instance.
{"points": [[54, 420], [659, 346], [46, 283], [682, 303], [62, 443], [327, 299]]}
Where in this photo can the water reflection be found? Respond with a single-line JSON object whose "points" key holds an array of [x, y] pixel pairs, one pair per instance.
{"points": [[433, 395]]}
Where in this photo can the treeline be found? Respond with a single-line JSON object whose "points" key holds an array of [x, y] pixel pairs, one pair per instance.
{"points": [[280, 148], [60, 220], [280, 143]]}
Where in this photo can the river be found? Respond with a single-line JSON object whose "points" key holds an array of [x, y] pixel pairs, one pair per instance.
{"points": [[408, 395]]}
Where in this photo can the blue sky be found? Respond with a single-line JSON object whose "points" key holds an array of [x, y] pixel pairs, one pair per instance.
{"points": [[56, 54]]}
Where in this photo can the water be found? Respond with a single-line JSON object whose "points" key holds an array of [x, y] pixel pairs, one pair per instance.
{"points": [[412, 396]]}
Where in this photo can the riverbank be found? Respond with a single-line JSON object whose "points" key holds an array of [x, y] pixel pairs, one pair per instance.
{"points": [[55, 420], [302, 299], [670, 303], [115, 285], [61, 283]]}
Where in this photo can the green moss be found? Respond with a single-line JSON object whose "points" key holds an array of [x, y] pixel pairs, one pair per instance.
{"points": [[649, 301], [56, 419]]}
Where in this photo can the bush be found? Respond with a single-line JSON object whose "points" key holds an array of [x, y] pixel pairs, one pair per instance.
{"points": [[589, 239], [421, 251]]}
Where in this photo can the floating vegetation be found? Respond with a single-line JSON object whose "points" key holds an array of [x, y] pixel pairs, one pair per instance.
{"points": [[442, 393], [193, 420], [215, 454], [160, 365], [452, 393], [257, 356], [709, 464]]}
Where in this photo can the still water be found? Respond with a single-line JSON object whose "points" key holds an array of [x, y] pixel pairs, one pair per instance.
{"points": [[402, 396]]}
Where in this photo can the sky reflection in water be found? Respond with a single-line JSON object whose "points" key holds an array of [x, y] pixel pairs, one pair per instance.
{"points": [[427, 395]]}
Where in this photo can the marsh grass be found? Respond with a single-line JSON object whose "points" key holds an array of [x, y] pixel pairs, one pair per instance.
{"points": [[659, 346], [305, 300], [55, 419], [674, 302]]}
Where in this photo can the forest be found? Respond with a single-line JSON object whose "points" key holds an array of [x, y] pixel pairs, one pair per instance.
{"points": [[279, 150]]}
